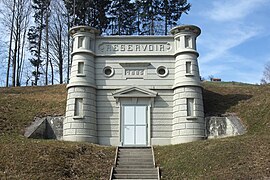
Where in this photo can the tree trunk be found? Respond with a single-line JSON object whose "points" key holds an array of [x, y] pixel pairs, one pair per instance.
{"points": [[60, 56], [47, 46], [22, 55], [10, 43], [39, 48], [51, 70], [14, 59], [68, 52], [18, 56]]}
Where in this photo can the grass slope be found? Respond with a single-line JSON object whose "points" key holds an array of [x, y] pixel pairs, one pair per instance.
{"points": [[241, 157], [23, 158]]}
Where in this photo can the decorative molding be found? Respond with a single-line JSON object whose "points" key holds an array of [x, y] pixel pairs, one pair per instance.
{"points": [[134, 92]]}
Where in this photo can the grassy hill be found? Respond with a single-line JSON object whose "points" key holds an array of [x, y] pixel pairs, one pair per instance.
{"points": [[23, 158], [241, 157]]}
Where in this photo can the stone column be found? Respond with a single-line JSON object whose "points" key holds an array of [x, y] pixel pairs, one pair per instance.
{"points": [[188, 113], [80, 121]]}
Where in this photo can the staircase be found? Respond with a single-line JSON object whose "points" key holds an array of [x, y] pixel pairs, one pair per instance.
{"points": [[134, 163]]}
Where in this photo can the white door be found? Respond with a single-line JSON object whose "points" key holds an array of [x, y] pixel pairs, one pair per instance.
{"points": [[134, 126]]}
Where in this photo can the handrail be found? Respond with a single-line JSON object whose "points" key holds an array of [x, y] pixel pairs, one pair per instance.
{"points": [[158, 171], [154, 162], [111, 174], [114, 163], [116, 155]]}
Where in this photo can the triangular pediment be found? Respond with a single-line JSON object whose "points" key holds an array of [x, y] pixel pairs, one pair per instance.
{"points": [[134, 91]]}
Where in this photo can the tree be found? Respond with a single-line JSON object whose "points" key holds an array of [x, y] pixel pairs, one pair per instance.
{"points": [[171, 11], [10, 42], [88, 13], [266, 74], [58, 38], [47, 15], [33, 37], [16, 18], [149, 16], [122, 18], [41, 8]]}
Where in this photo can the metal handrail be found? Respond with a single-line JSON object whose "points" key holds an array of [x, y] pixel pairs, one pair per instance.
{"points": [[114, 164]]}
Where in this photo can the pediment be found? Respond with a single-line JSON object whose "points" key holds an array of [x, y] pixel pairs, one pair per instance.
{"points": [[134, 91]]}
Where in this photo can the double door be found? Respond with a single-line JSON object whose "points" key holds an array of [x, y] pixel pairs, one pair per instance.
{"points": [[134, 125]]}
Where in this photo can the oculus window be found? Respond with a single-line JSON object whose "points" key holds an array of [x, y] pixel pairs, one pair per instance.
{"points": [[108, 71], [162, 71]]}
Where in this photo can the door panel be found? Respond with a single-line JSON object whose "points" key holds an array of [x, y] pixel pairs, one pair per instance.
{"points": [[129, 135], [129, 115], [140, 115], [141, 135]]}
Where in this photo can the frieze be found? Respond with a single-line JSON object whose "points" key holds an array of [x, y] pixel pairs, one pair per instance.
{"points": [[107, 47]]}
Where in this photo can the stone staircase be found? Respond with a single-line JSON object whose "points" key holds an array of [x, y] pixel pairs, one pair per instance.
{"points": [[134, 163]]}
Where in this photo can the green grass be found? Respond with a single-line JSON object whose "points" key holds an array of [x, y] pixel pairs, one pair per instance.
{"points": [[31, 159], [241, 157]]}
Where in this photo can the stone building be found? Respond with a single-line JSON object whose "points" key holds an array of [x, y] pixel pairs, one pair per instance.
{"points": [[134, 90]]}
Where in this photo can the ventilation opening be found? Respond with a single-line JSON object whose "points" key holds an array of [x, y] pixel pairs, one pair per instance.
{"points": [[108, 71], [162, 71]]}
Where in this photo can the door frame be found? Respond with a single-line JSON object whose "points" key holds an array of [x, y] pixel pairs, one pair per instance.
{"points": [[122, 124], [134, 95], [134, 102]]}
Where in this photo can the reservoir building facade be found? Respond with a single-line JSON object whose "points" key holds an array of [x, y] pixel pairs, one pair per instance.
{"points": [[134, 90]]}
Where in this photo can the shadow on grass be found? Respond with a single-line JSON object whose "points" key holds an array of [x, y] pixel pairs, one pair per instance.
{"points": [[216, 104]]}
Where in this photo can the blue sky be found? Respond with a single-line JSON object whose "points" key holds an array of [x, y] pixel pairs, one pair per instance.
{"points": [[235, 40]]}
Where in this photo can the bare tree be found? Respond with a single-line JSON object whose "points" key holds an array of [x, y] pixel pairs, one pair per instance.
{"points": [[10, 43], [58, 38], [15, 19], [47, 43], [266, 74]]}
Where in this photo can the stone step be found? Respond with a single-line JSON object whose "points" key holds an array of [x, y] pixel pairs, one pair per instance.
{"points": [[135, 176], [135, 150], [134, 157], [133, 166], [135, 160], [135, 163], [136, 171], [133, 179], [136, 154]]}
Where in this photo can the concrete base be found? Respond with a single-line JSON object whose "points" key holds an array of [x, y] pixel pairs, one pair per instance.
{"points": [[80, 138], [160, 141], [186, 139]]}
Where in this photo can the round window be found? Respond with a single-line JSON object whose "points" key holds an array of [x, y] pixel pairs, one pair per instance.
{"points": [[162, 71], [108, 71]]}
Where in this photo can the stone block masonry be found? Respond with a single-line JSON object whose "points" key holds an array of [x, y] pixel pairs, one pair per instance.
{"points": [[134, 90]]}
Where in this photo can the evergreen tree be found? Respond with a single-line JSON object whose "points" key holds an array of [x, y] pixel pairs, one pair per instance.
{"points": [[149, 16], [33, 37], [171, 11], [88, 12], [122, 17], [40, 10]]}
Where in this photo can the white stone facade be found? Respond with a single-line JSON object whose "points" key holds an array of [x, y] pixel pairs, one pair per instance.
{"points": [[134, 90]]}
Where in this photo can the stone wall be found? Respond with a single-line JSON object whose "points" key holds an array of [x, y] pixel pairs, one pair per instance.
{"points": [[218, 127], [50, 127]]}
